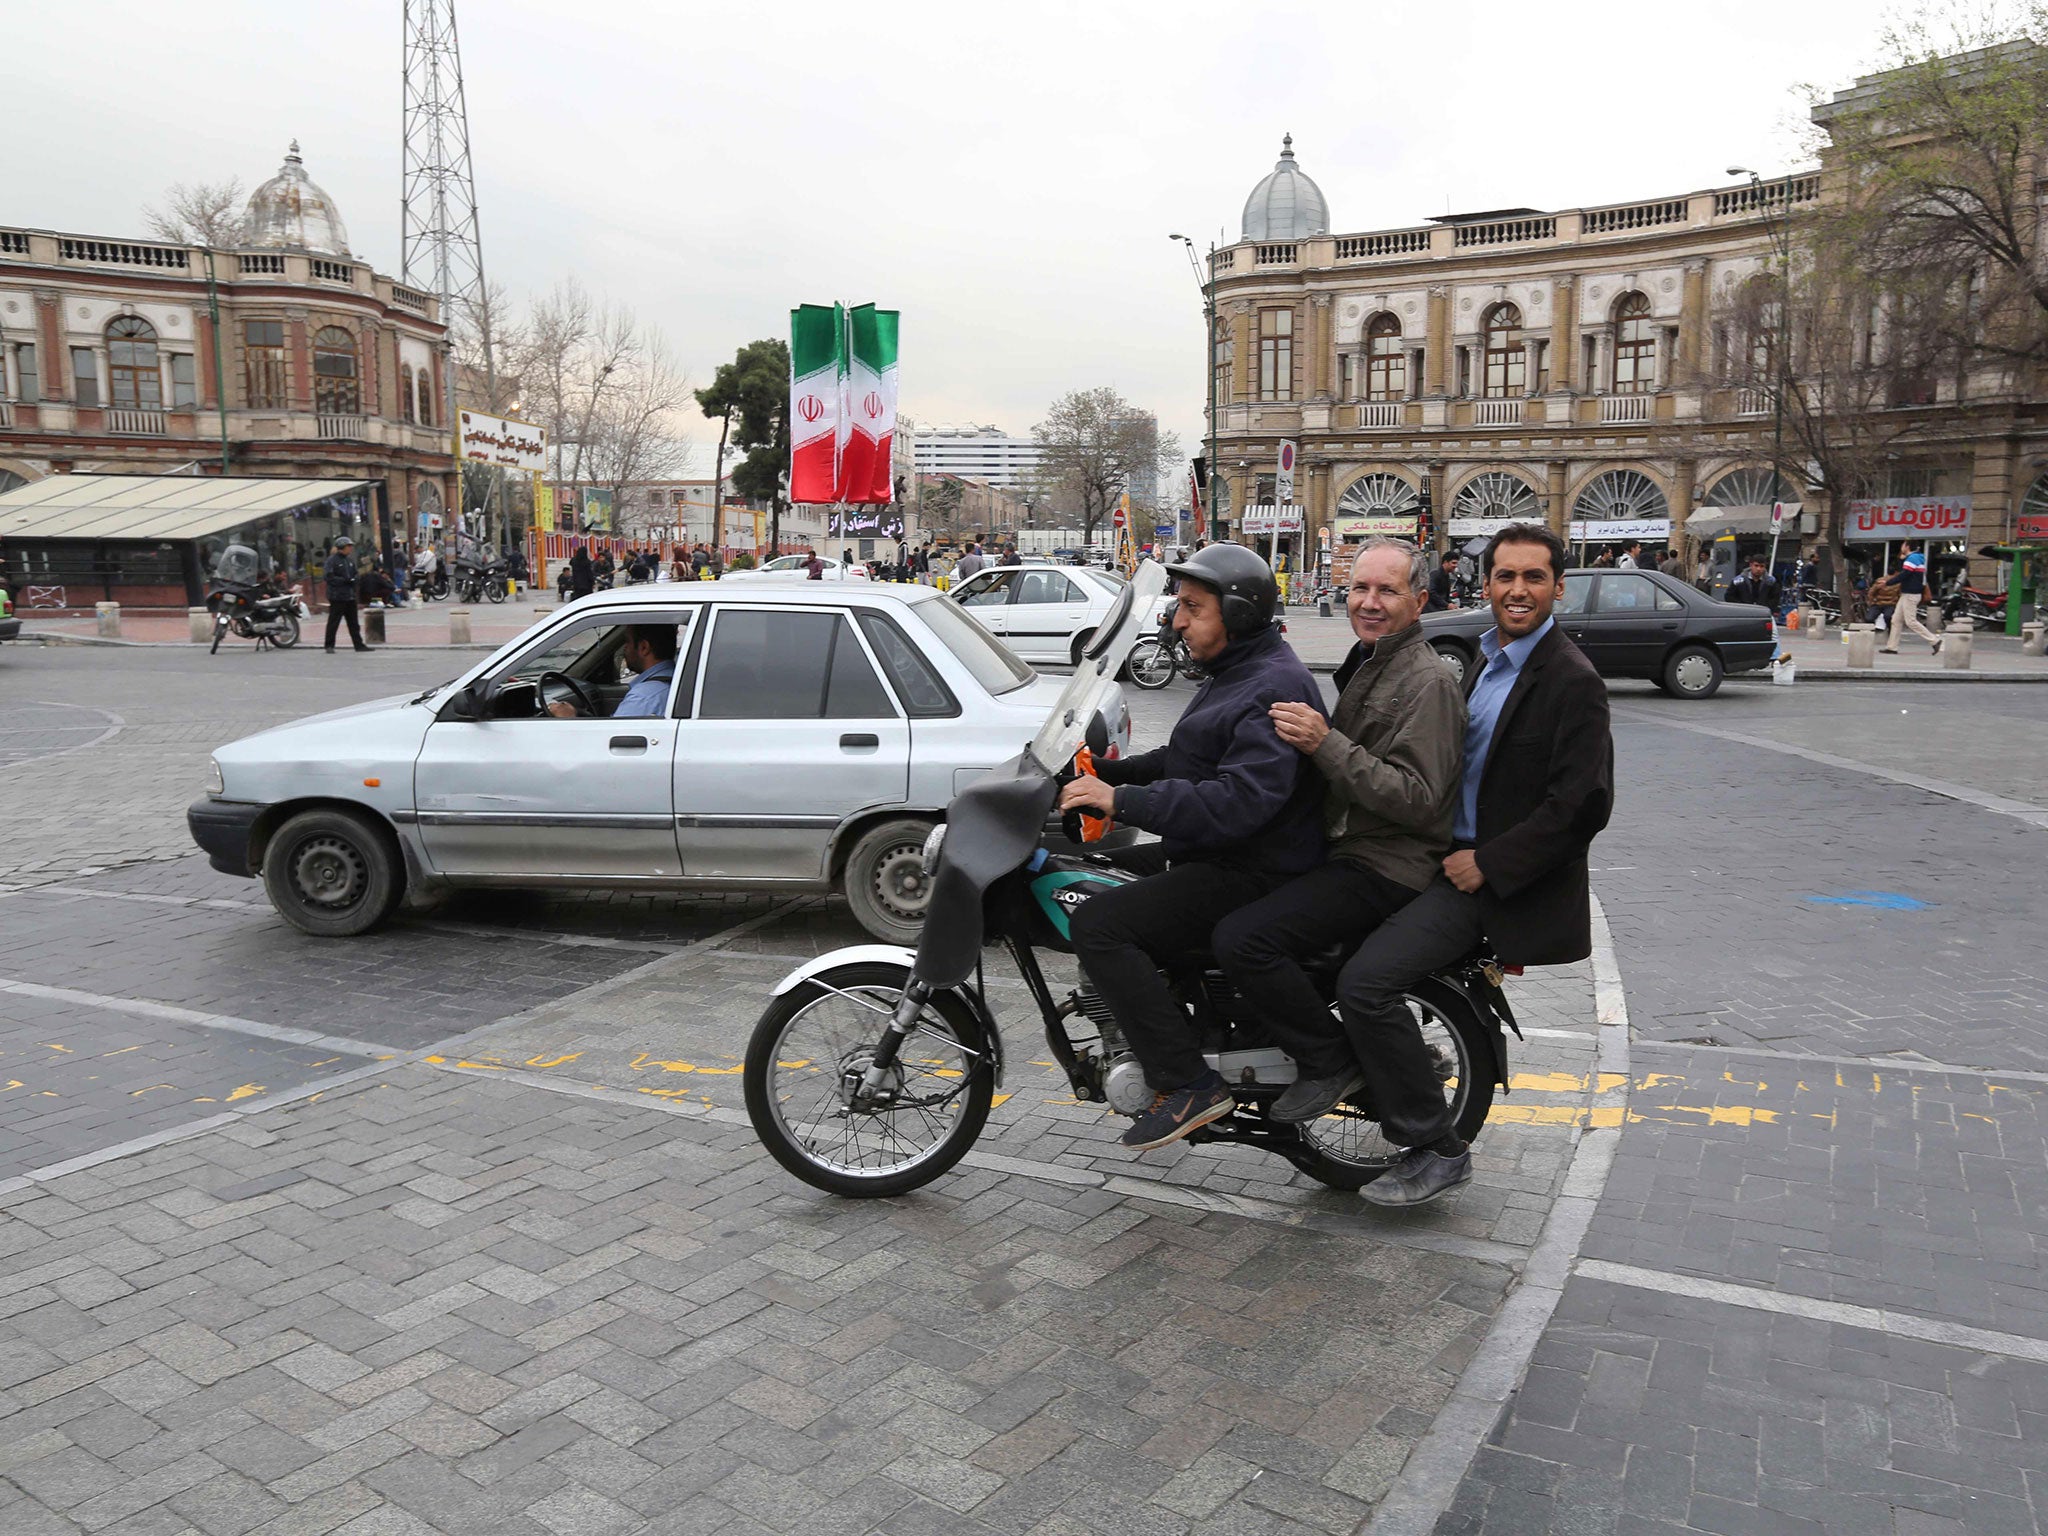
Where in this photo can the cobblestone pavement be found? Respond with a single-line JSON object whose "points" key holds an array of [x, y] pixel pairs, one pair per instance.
{"points": [[461, 1227]]}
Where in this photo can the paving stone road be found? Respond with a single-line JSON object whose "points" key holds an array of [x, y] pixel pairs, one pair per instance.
{"points": [[473, 1235]]}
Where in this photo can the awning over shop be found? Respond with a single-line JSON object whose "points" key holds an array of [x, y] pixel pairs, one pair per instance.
{"points": [[1712, 522], [154, 506]]}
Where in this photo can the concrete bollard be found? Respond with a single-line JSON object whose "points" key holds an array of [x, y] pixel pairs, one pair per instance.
{"points": [[2034, 639], [1956, 642], [1805, 616], [199, 625], [1862, 645], [1820, 622], [109, 615], [458, 626], [373, 626]]}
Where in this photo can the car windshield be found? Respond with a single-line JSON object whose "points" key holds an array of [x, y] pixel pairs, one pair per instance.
{"points": [[1066, 727], [973, 647]]}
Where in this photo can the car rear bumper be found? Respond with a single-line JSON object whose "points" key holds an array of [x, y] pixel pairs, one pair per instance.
{"points": [[1746, 655], [223, 829]]}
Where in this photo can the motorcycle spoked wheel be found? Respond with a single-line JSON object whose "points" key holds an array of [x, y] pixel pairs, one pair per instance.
{"points": [[287, 633], [495, 591], [1347, 1150], [220, 628], [1151, 664], [804, 1063]]}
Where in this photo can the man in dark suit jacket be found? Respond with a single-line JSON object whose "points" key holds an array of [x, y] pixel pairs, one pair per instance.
{"points": [[1538, 786]]}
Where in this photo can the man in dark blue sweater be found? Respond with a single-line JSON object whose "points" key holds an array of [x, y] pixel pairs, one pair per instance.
{"points": [[1237, 811]]}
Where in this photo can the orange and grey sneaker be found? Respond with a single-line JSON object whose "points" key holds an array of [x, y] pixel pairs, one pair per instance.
{"points": [[1174, 1114]]}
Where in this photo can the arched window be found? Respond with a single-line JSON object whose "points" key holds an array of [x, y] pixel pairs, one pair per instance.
{"points": [[406, 408], [1386, 362], [1506, 372], [134, 380], [1635, 346], [336, 391], [1621, 495], [1498, 496]]}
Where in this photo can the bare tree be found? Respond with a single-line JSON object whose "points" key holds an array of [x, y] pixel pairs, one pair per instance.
{"points": [[635, 432], [1099, 442], [199, 213]]}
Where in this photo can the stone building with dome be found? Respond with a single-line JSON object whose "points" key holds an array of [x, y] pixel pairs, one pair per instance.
{"points": [[125, 355], [1569, 365]]}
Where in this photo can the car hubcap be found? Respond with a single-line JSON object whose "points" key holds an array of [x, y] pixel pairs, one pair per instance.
{"points": [[330, 872], [1694, 673], [902, 888]]}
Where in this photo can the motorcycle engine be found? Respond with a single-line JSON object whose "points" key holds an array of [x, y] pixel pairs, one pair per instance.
{"points": [[1124, 1085]]}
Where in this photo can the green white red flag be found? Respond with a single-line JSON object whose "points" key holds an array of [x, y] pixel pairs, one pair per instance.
{"points": [[842, 403], [870, 408], [817, 387]]}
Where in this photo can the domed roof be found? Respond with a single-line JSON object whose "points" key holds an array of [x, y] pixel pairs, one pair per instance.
{"points": [[289, 210], [1286, 205]]}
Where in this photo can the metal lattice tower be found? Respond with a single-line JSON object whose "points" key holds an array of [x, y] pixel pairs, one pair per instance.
{"points": [[442, 243]]}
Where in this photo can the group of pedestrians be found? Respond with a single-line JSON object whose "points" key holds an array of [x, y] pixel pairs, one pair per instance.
{"points": [[1409, 826]]}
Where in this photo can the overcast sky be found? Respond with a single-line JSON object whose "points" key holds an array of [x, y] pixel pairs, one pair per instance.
{"points": [[1006, 176]]}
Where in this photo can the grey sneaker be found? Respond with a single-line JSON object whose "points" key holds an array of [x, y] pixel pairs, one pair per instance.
{"points": [[1311, 1098], [1419, 1178]]}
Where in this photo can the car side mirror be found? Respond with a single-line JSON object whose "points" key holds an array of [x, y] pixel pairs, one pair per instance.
{"points": [[471, 703]]}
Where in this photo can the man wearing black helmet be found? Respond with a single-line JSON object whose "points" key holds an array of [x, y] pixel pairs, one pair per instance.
{"points": [[1237, 812]]}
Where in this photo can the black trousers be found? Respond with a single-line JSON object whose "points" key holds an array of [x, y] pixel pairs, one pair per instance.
{"points": [[1436, 929], [336, 612], [1124, 936], [1261, 948]]}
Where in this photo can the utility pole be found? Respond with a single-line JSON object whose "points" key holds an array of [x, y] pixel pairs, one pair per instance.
{"points": [[220, 392], [1781, 240], [441, 242]]}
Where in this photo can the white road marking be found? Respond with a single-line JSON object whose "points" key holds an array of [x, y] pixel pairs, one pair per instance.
{"points": [[143, 1008]]}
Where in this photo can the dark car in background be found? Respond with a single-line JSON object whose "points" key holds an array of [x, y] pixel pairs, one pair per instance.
{"points": [[1633, 624]]}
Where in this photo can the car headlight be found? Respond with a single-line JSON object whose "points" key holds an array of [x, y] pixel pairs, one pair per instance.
{"points": [[932, 844], [215, 785]]}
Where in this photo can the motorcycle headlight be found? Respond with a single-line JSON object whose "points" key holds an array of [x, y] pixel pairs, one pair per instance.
{"points": [[932, 845], [215, 784]]}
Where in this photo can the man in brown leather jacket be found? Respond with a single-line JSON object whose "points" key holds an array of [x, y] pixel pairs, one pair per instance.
{"points": [[1390, 758]]}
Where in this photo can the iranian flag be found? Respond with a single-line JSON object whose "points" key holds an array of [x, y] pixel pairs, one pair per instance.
{"points": [[869, 407], [817, 392]]}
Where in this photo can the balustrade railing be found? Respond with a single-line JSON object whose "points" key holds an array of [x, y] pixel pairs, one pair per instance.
{"points": [[133, 423], [1496, 413], [1624, 408]]}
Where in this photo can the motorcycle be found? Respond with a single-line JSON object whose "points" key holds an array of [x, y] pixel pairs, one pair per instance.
{"points": [[1161, 656], [873, 1069], [245, 601], [475, 582], [1974, 606], [430, 584]]}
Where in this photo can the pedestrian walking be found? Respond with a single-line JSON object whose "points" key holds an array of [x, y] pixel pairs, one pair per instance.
{"points": [[1912, 587], [582, 574], [1631, 556], [814, 568], [1443, 583], [1672, 565], [340, 576]]}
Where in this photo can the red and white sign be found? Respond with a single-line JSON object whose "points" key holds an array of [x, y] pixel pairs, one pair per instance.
{"points": [[1284, 481], [1270, 519], [2032, 527], [1908, 517]]}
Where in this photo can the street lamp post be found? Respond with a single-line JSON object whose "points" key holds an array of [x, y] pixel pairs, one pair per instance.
{"points": [[1208, 286], [1781, 238]]}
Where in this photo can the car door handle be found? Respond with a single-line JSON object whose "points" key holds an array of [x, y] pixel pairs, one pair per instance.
{"points": [[629, 743], [860, 739]]}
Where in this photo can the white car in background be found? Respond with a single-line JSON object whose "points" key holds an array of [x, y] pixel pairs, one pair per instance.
{"points": [[791, 568], [1043, 612]]}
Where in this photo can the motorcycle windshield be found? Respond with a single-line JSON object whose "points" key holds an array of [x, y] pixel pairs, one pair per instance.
{"points": [[240, 564], [1067, 726]]}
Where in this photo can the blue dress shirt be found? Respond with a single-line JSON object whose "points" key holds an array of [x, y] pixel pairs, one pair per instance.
{"points": [[649, 693], [1482, 713]]}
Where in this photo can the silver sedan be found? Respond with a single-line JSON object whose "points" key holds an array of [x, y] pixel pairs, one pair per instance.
{"points": [[777, 737]]}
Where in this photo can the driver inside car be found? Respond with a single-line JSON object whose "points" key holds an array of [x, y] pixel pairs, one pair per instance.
{"points": [[650, 651], [1238, 812]]}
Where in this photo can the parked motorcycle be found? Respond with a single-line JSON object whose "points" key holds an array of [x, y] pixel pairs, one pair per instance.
{"points": [[246, 602], [1823, 599], [476, 581], [873, 1069], [1974, 606], [430, 585]]}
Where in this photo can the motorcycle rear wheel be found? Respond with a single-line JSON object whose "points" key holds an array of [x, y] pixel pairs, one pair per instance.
{"points": [[810, 1048], [1151, 665], [1347, 1150], [287, 634], [496, 591]]}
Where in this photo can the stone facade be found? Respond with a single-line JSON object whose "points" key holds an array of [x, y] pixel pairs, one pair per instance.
{"points": [[1372, 352], [331, 369]]}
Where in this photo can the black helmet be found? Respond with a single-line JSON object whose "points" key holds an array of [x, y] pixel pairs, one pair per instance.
{"points": [[1240, 578]]}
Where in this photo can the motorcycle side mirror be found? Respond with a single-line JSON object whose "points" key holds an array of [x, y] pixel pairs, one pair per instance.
{"points": [[1097, 735]]}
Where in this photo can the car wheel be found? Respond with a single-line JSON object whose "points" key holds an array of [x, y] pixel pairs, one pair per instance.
{"points": [[332, 874], [1692, 672], [885, 882], [1454, 657]]}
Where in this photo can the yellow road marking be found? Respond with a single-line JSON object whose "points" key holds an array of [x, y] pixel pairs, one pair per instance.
{"points": [[246, 1091], [551, 1061]]}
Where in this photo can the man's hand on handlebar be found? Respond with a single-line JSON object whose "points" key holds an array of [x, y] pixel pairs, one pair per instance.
{"points": [[1299, 726], [1461, 868], [1090, 795]]}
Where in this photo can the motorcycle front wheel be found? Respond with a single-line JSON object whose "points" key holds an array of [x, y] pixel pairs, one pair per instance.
{"points": [[1151, 665], [805, 1067], [287, 633], [1347, 1149], [496, 591]]}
